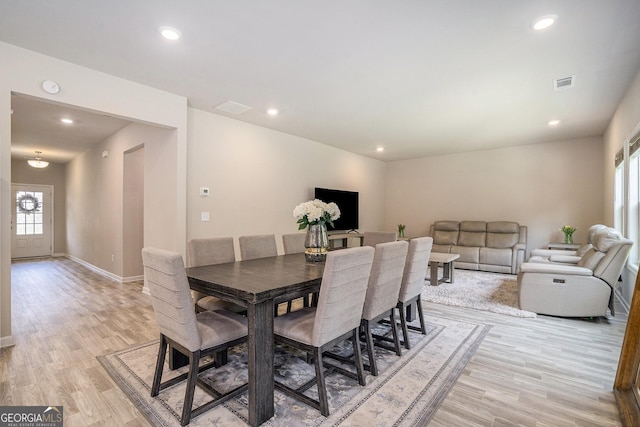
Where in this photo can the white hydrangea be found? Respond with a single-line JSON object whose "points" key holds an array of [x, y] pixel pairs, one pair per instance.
{"points": [[315, 210]]}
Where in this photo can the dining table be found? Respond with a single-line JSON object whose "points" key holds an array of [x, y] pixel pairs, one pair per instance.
{"points": [[259, 284]]}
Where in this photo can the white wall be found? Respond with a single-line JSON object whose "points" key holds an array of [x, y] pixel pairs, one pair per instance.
{"points": [[23, 72], [542, 186], [96, 194], [624, 124], [257, 176]]}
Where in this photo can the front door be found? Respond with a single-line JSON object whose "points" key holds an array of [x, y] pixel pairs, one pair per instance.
{"points": [[31, 221]]}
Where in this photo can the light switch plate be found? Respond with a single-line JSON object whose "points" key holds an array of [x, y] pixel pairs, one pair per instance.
{"points": [[204, 191], [204, 216]]}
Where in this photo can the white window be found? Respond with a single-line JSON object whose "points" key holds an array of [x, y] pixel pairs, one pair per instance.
{"points": [[29, 212], [633, 208]]}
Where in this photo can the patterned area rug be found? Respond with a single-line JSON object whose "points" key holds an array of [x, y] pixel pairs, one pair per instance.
{"points": [[495, 292], [407, 392]]}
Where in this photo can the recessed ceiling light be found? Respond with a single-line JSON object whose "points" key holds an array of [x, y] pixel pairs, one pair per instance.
{"points": [[272, 111], [380, 149], [170, 33], [554, 122], [66, 121], [544, 22]]}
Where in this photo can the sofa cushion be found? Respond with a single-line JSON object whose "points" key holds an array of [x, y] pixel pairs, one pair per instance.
{"points": [[496, 256], [583, 249], [470, 238], [441, 248], [502, 240], [605, 238], [445, 233], [473, 226], [467, 254], [591, 259], [503, 227]]}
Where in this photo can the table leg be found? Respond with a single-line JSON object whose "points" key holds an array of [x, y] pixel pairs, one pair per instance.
{"points": [[260, 354], [433, 279], [446, 272]]}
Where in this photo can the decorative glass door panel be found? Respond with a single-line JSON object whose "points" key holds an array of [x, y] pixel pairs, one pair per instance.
{"points": [[31, 225]]}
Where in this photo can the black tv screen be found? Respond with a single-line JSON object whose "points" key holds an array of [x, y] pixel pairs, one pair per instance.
{"points": [[347, 202]]}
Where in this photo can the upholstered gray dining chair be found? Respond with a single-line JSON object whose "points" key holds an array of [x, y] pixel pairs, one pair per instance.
{"points": [[415, 269], [209, 251], [382, 294], [334, 319], [258, 246], [372, 238], [194, 335], [293, 243]]}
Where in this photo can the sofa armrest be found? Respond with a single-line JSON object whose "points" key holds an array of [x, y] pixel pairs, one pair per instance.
{"points": [[548, 268], [565, 259]]}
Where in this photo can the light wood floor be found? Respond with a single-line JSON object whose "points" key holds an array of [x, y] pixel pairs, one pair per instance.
{"points": [[532, 372]]}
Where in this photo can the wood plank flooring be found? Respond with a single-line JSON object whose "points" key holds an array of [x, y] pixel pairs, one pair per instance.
{"points": [[531, 372]]}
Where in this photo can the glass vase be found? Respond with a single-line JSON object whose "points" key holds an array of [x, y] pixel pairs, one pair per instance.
{"points": [[316, 243], [568, 239]]}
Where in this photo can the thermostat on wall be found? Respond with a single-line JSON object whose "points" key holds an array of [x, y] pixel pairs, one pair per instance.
{"points": [[204, 191]]}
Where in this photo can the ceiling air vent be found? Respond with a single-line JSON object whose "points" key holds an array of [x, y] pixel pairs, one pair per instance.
{"points": [[564, 83], [233, 107]]}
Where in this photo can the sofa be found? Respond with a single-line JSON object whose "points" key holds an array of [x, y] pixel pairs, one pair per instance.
{"points": [[497, 246], [584, 289]]}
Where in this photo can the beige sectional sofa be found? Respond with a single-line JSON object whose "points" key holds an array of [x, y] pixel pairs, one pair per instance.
{"points": [[497, 246]]}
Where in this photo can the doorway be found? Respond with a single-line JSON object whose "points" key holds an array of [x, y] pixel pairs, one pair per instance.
{"points": [[31, 220]]}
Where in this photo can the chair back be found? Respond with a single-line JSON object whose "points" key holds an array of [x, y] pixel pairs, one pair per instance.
{"points": [[342, 293], [293, 243], [610, 251], [259, 246], [167, 281], [209, 251], [372, 238], [386, 276], [415, 268]]}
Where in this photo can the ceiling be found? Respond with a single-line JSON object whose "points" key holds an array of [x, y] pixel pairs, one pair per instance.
{"points": [[418, 77]]}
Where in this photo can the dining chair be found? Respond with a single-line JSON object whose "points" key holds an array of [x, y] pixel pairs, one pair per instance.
{"points": [[382, 295], [194, 335], [293, 243], [335, 319], [413, 282], [372, 238], [258, 246], [209, 251]]}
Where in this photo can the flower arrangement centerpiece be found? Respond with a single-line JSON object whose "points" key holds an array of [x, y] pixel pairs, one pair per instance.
{"points": [[314, 215], [401, 228], [568, 231]]}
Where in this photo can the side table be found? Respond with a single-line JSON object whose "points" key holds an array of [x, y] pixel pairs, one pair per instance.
{"points": [[564, 246]]}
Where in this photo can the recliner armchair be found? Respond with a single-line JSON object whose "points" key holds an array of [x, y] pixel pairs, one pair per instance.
{"points": [[585, 289]]}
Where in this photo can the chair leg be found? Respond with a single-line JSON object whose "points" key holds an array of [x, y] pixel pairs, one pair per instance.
{"points": [[157, 376], [192, 378], [403, 324], [357, 357], [421, 316], [394, 330], [370, 350], [322, 388]]}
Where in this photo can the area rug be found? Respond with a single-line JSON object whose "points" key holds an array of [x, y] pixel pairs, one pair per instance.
{"points": [[495, 292], [407, 391]]}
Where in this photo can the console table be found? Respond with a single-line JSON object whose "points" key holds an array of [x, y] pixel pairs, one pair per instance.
{"points": [[344, 239], [564, 246]]}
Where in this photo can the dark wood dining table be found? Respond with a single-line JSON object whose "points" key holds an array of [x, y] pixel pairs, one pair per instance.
{"points": [[259, 284]]}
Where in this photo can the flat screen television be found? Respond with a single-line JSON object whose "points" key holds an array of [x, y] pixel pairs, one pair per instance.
{"points": [[347, 202]]}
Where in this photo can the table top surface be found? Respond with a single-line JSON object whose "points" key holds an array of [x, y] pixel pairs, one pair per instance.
{"points": [[443, 257], [257, 280]]}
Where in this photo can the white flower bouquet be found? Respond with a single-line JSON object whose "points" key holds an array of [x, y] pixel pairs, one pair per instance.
{"points": [[314, 212]]}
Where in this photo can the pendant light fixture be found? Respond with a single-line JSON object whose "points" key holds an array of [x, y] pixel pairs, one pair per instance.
{"points": [[38, 162]]}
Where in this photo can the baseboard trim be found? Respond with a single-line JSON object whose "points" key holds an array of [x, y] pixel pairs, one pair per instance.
{"points": [[7, 341], [96, 269]]}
